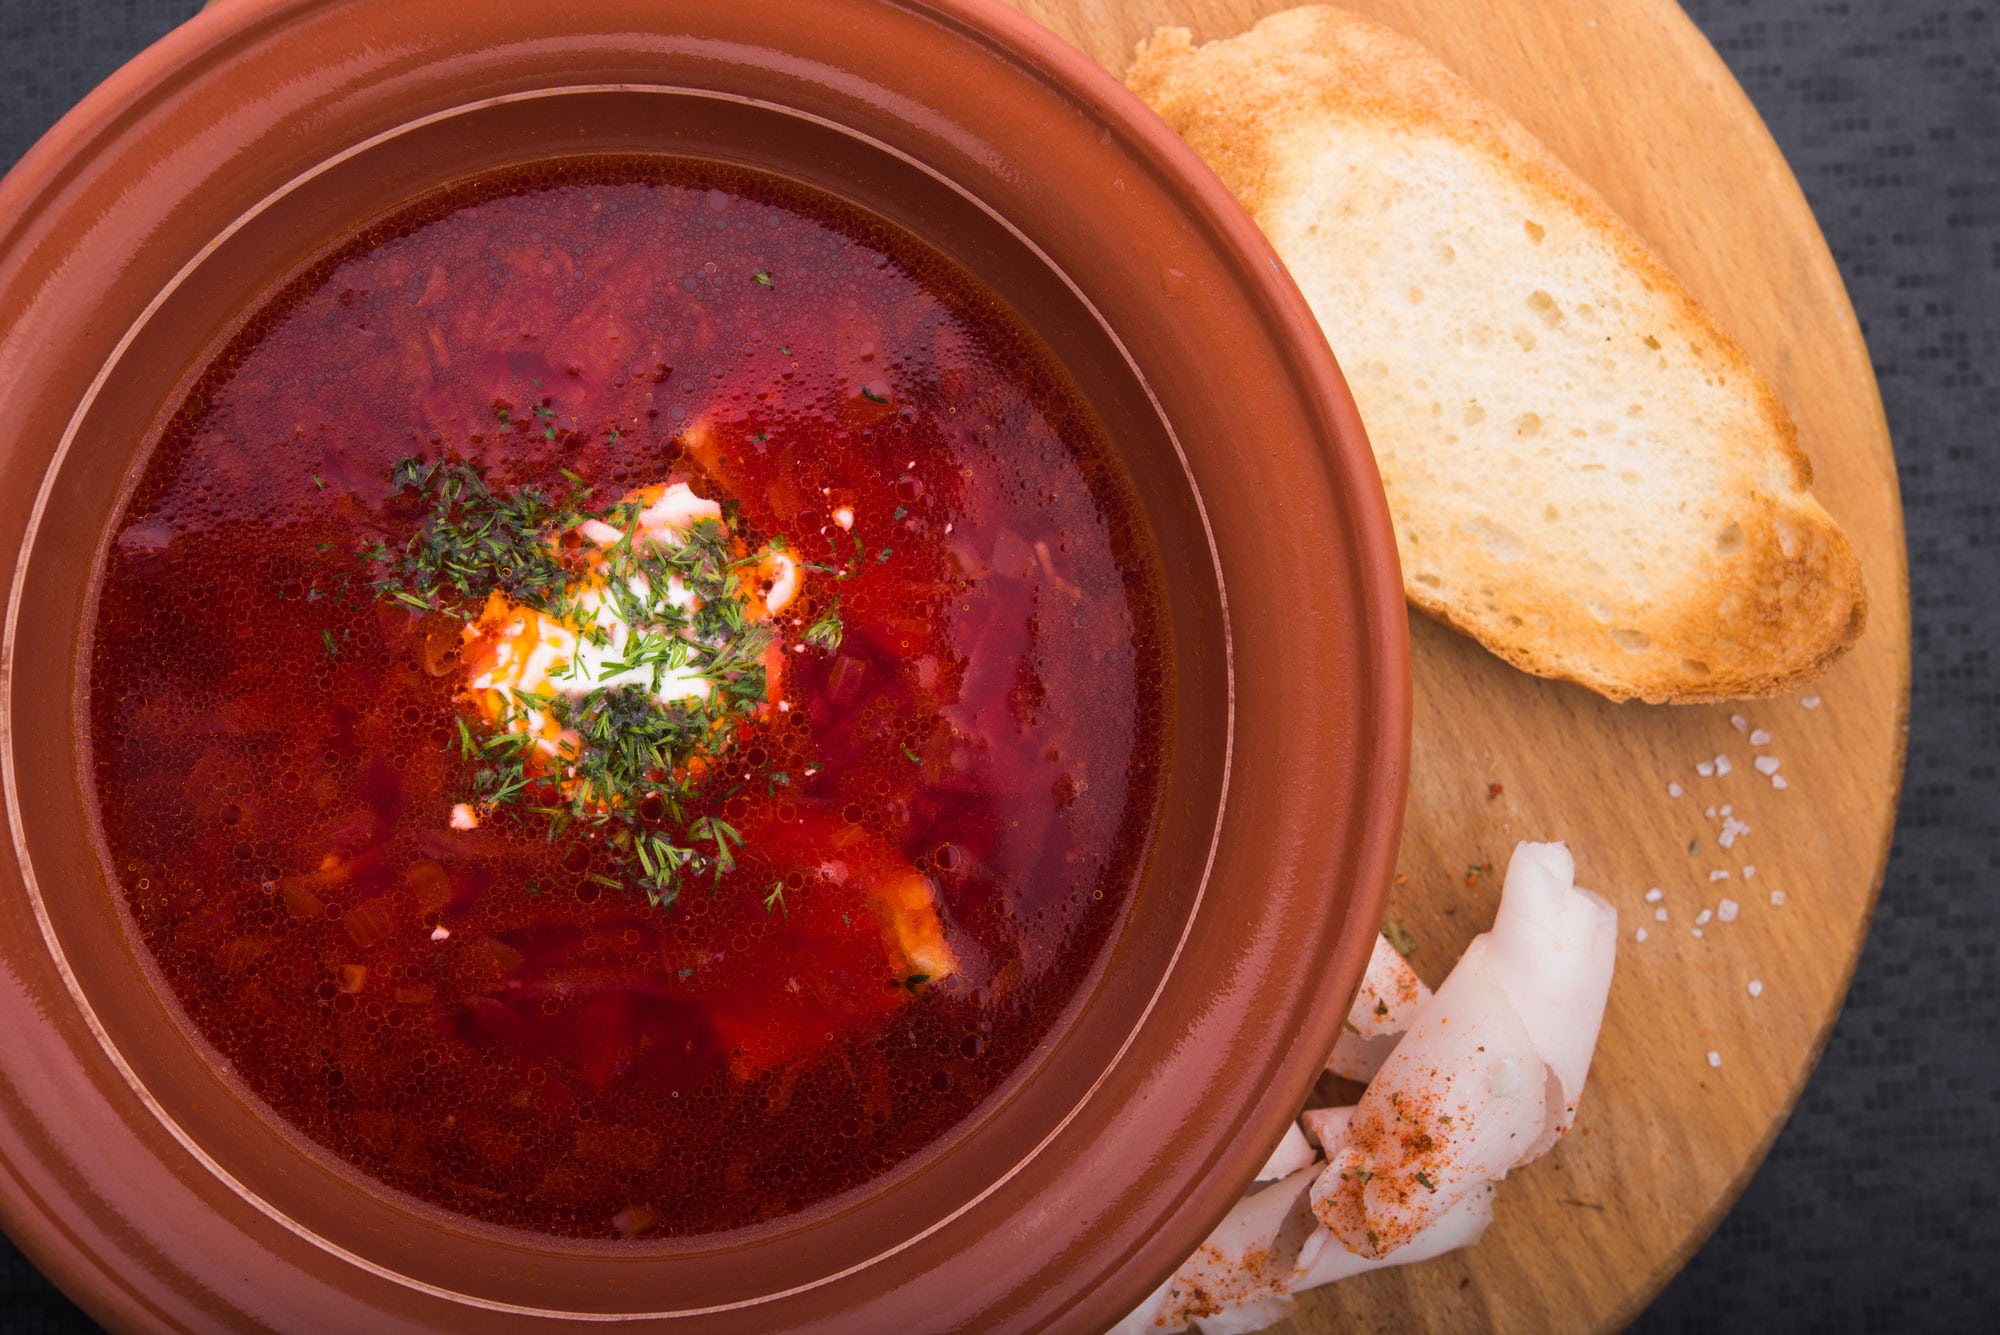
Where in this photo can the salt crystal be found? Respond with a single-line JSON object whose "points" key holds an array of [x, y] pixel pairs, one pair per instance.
{"points": [[1732, 830], [1760, 738], [1675, 790], [1715, 1059], [1660, 915], [1717, 875], [1777, 896], [1722, 765], [1749, 873], [1810, 702], [1756, 987], [1727, 809], [1706, 769], [1701, 918], [1639, 935], [1710, 813], [1738, 722], [1655, 895], [440, 933], [1726, 911], [1767, 764], [1694, 932], [1778, 781]]}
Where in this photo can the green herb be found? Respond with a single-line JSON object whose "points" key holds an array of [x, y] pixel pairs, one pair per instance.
{"points": [[762, 277], [319, 481], [1694, 847], [784, 349], [1425, 1181], [1405, 944], [332, 648], [614, 437], [775, 896], [872, 396], [1587, 1205], [913, 757], [761, 437], [687, 973], [629, 774], [897, 517], [826, 632], [532, 888]]}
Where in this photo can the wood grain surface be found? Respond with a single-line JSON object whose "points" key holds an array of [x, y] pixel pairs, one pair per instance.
{"points": [[1634, 99]]}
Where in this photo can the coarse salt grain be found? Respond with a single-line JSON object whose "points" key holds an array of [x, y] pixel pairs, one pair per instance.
{"points": [[1760, 738], [1767, 764], [1715, 1059], [1738, 722], [440, 933], [1810, 702], [1732, 830], [1639, 935], [1701, 918], [1727, 809], [1659, 915], [1655, 895], [1710, 813], [1717, 875], [1778, 781], [1705, 768], [1722, 765], [1675, 790], [1750, 873], [1727, 910], [1694, 932], [1756, 987], [1777, 897]]}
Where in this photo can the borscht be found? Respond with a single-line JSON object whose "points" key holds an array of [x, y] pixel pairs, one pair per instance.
{"points": [[628, 699]]}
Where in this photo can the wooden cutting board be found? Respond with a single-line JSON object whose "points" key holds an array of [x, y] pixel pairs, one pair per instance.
{"points": [[1634, 99]]}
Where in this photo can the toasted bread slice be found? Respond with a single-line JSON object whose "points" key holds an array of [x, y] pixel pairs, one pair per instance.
{"points": [[1584, 471]]}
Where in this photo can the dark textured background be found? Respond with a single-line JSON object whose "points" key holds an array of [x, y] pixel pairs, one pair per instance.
{"points": [[1880, 1207]]}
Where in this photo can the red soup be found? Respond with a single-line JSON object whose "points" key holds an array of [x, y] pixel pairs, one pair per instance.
{"points": [[628, 700]]}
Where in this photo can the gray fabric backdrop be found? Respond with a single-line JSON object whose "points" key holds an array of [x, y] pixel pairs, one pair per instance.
{"points": [[1877, 1210]]}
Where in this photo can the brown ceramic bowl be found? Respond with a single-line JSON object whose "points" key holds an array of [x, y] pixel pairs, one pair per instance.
{"points": [[161, 1194]]}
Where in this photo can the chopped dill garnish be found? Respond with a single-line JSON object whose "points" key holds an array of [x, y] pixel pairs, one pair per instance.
{"points": [[825, 633], [630, 765]]}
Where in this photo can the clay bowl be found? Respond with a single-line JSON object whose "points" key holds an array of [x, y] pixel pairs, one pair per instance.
{"points": [[161, 1194]]}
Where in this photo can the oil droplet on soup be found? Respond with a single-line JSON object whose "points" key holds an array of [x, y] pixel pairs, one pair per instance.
{"points": [[940, 810]]}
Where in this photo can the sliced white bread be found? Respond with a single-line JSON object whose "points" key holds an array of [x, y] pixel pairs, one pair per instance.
{"points": [[1584, 471]]}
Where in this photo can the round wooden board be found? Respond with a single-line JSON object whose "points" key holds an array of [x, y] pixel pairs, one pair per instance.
{"points": [[1635, 100]]}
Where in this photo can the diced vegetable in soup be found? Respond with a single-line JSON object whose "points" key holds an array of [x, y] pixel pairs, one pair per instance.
{"points": [[628, 700]]}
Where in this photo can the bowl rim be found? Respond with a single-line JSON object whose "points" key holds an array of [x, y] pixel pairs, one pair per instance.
{"points": [[98, 126]]}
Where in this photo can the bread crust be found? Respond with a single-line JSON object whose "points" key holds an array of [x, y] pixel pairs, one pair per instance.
{"points": [[1786, 602]]}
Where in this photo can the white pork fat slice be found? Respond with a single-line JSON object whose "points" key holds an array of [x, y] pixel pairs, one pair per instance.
{"points": [[1390, 996], [1457, 1104], [1326, 1127], [1237, 1280], [1552, 947], [1325, 1258], [1489, 1075], [1293, 1153]]}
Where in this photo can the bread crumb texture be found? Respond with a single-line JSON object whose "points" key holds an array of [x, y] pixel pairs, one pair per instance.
{"points": [[1585, 472]]}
